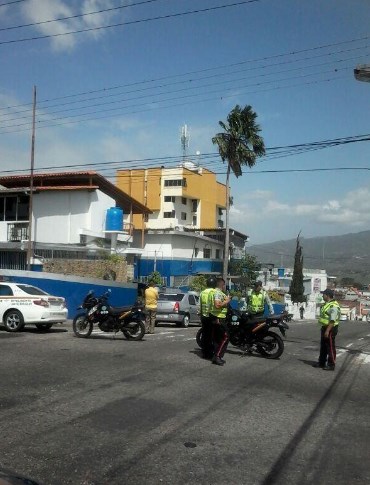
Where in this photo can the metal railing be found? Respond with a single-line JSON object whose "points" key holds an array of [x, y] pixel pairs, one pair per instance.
{"points": [[17, 231]]}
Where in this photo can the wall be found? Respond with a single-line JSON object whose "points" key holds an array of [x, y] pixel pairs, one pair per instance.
{"points": [[73, 288], [86, 268]]}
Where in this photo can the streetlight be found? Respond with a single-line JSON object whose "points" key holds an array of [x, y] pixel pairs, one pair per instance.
{"points": [[362, 72]]}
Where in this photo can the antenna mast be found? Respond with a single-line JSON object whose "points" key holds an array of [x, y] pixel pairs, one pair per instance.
{"points": [[184, 142]]}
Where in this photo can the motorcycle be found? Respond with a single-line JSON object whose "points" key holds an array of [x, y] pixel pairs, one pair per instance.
{"points": [[253, 334], [128, 319], [287, 317]]}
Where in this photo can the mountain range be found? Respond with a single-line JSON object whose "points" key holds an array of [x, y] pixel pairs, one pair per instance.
{"points": [[341, 256]]}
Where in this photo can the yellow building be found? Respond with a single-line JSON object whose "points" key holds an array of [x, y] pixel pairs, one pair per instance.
{"points": [[187, 196]]}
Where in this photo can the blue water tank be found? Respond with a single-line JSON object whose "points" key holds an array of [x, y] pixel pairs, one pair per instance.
{"points": [[281, 272], [114, 219]]}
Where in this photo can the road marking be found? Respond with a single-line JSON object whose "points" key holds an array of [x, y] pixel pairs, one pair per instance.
{"points": [[164, 333], [362, 338], [366, 360], [349, 345]]}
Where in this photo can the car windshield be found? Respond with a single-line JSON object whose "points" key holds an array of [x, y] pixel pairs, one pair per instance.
{"points": [[31, 290], [171, 296]]}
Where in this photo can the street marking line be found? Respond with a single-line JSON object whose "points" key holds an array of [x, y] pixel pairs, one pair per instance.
{"points": [[349, 345], [362, 338]]}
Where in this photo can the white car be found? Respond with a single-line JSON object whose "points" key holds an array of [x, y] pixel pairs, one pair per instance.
{"points": [[21, 304]]}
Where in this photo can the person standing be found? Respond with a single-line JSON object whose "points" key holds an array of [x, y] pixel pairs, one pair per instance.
{"points": [[301, 311], [329, 321], [257, 297], [205, 298], [218, 312], [151, 303]]}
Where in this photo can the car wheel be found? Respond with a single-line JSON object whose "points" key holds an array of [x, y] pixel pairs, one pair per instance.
{"points": [[44, 326], [186, 321], [13, 321]]}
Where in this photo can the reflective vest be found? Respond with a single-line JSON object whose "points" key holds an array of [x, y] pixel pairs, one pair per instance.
{"points": [[256, 302], [205, 301], [324, 318], [217, 312]]}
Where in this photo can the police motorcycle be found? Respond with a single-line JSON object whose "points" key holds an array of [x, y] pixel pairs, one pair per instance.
{"points": [[97, 311], [254, 334]]}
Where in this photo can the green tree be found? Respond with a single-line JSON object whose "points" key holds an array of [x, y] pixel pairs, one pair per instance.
{"points": [[296, 289], [239, 144], [247, 269], [156, 277], [198, 283]]}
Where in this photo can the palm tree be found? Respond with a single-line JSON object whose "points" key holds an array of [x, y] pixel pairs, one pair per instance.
{"points": [[239, 144]]}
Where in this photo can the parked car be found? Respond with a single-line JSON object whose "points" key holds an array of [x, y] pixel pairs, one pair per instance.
{"points": [[21, 304], [178, 307]]}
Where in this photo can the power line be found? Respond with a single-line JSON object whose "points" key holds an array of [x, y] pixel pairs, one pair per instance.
{"points": [[75, 16], [11, 3], [226, 66], [132, 22], [188, 102], [327, 143], [191, 87]]}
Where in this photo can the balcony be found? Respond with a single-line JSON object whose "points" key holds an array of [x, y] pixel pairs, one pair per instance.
{"points": [[17, 231]]}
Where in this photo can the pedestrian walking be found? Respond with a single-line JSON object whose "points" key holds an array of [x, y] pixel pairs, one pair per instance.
{"points": [[218, 312], [206, 298], [257, 298], [151, 303], [329, 321], [301, 311]]}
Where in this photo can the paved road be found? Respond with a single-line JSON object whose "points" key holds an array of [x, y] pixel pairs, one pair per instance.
{"points": [[108, 411]]}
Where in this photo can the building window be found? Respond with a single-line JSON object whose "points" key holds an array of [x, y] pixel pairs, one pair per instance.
{"points": [[169, 198], [218, 254], [183, 216], [194, 205], [14, 208], [146, 217], [175, 183], [184, 200], [194, 220], [220, 211], [169, 215], [207, 253]]}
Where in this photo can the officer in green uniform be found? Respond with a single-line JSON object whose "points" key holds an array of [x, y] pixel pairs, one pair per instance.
{"points": [[257, 297], [218, 313], [206, 298], [329, 320]]}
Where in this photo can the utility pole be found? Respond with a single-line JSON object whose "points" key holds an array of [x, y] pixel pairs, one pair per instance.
{"points": [[30, 211]]}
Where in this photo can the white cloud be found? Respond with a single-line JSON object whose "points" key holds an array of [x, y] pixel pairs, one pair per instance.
{"points": [[42, 10]]}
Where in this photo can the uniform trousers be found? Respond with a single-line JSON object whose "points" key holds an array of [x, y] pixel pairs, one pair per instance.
{"points": [[328, 351]]}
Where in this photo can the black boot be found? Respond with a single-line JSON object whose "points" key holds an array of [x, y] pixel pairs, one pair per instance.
{"points": [[216, 360]]}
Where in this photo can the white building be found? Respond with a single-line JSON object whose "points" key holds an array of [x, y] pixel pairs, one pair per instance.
{"points": [[69, 213]]}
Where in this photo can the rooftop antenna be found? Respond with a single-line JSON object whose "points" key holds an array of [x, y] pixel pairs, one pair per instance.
{"points": [[184, 142]]}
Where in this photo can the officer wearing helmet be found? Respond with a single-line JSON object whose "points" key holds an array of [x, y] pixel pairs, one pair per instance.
{"points": [[206, 298]]}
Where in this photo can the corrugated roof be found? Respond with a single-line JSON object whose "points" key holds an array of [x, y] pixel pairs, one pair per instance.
{"points": [[79, 180]]}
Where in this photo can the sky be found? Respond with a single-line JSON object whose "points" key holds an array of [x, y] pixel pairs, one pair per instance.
{"points": [[116, 93]]}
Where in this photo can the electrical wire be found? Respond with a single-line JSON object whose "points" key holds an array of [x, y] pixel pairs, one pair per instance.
{"points": [[77, 15], [132, 22], [227, 66]]}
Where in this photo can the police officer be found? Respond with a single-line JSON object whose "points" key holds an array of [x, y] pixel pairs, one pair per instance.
{"points": [[206, 297], [218, 312], [257, 297], [329, 320]]}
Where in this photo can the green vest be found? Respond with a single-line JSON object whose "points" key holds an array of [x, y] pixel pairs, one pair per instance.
{"points": [[205, 300], [217, 312], [324, 318], [256, 302]]}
